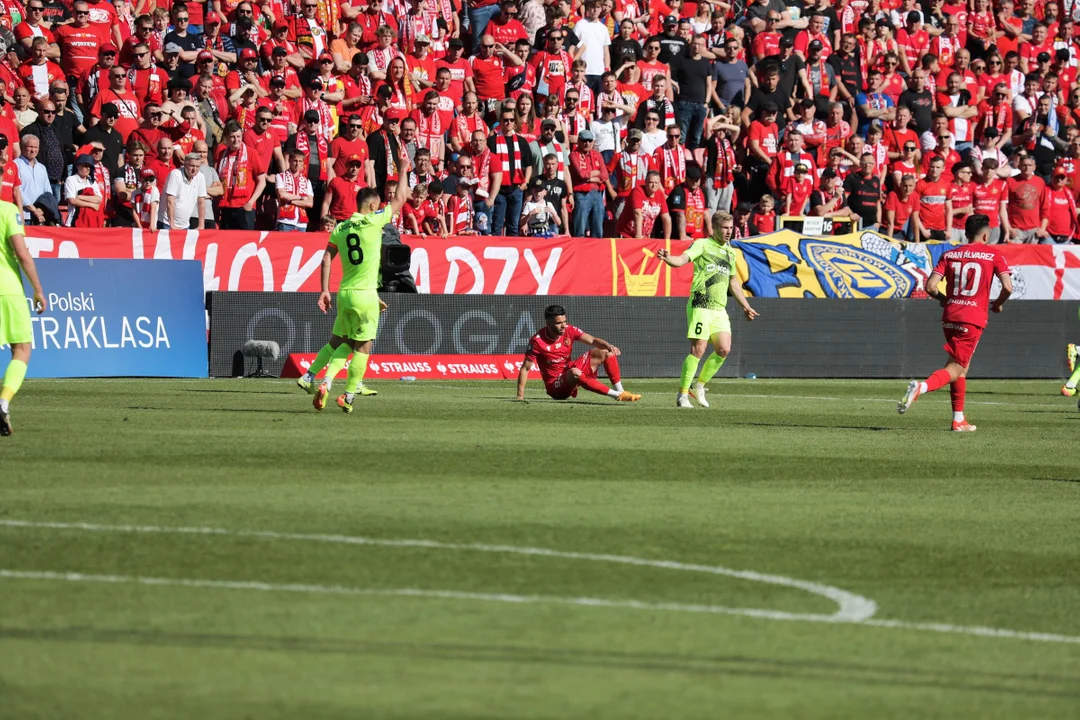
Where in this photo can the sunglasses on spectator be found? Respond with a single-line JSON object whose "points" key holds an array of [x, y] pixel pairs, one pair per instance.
{"points": [[35, 8], [48, 112], [356, 126], [489, 47], [508, 118], [674, 137], [142, 54], [263, 118], [118, 76], [79, 13], [59, 90], [909, 148], [554, 37], [649, 119], [182, 19]]}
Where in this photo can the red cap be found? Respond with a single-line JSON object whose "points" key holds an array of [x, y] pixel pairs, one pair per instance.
{"points": [[212, 19], [281, 24], [324, 55], [204, 55], [148, 174], [108, 47], [394, 114], [354, 158], [86, 149], [248, 54]]}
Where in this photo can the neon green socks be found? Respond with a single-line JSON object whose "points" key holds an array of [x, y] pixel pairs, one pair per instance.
{"points": [[689, 367], [13, 379], [712, 365], [320, 360], [356, 373], [337, 362]]}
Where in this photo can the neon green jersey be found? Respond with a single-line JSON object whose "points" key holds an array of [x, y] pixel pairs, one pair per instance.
{"points": [[11, 223], [359, 244], [714, 264]]}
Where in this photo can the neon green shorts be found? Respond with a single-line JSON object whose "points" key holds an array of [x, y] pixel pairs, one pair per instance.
{"points": [[702, 324], [15, 320], [357, 314]]}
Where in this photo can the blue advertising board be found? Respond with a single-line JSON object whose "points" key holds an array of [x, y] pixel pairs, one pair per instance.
{"points": [[119, 318]]}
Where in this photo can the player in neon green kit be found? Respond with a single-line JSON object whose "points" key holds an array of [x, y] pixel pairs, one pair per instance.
{"points": [[358, 241], [15, 329], [706, 311]]}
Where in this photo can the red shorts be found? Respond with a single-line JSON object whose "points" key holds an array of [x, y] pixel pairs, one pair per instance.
{"points": [[961, 340], [566, 385]]}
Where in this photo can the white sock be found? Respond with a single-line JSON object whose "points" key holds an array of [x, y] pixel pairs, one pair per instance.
{"points": [[958, 417], [1070, 384], [349, 397], [328, 383], [618, 386], [613, 393], [922, 388], [308, 377], [4, 405]]}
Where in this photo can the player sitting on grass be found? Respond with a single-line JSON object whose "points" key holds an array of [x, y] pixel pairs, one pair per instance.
{"points": [[550, 350], [358, 241], [706, 311], [969, 271]]}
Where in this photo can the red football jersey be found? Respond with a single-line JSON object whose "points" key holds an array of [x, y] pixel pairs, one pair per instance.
{"points": [[552, 357], [969, 271]]}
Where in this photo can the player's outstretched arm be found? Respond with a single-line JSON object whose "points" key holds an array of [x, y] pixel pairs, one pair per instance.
{"points": [[26, 260], [600, 344], [673, 260], [933, 283], [523, 378], [1006, 291], [740, 296], [402, 195], [324, 277]]}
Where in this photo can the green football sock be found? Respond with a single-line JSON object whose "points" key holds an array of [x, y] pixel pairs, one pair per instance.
{"points": [[356, 372], [1071, 382], [337, 362], [13, 379], [321, 359], [689, 367], [710, 368]]}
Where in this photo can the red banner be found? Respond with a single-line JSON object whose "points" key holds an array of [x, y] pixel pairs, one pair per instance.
{"points": [[424, 367], [265, 261], [272, 261]]}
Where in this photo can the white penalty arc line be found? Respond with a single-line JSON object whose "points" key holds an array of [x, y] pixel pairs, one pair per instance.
{"points": [[853, 609], [850, 607]]}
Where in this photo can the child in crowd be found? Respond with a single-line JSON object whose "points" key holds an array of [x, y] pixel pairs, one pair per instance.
{"points": [[538, 216], [414, 211], [146, 200], [434, 209], [763, 218], [460, 215]]}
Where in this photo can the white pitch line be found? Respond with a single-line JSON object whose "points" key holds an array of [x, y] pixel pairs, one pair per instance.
{"points": [[850, 606], [339, 590], [853, 609]]}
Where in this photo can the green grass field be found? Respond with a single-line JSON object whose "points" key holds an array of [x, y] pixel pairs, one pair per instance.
{"points": [[216, 549]]}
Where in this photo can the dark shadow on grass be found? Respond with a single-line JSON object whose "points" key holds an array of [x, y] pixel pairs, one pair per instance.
{"points": [[1057, 479], [810, 670], [872, 428], [226, 410], [243, 392]]}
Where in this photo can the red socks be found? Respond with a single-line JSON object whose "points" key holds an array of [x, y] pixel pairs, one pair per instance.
{"points": [[611, 367], [937, 380], [957, 390], [594, 385]]}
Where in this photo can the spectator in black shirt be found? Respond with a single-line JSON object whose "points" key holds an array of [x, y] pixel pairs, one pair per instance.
{"points": [[106, 133], [920, 100], [189, 44], [767, 91], [671, 45], [692, 75], [864, 192], [555, 185], [624, 49], [847, 67], [792, 68]]}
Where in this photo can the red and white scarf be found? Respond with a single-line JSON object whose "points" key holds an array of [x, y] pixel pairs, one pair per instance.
{"points": [[321, 147], [574, 124], [615, 97], [502, 155], [380, 58], [297, 185], [482, 165], [325, 128], [664, 108], [233, 168], [672, 165], [633, 171], [429, 134], [725, 162], [461, 212]]}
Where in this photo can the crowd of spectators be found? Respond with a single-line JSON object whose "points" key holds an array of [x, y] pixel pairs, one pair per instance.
{"points": [[629, 118]]}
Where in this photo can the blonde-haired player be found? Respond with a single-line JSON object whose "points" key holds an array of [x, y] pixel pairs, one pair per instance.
{"points": [[706, 310]]}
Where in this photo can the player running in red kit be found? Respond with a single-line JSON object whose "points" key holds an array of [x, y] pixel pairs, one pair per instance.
{"points": [[968, 270], [550, 350]]}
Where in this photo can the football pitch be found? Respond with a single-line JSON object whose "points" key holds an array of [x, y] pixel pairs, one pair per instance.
{"points": [[216, 549]]}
